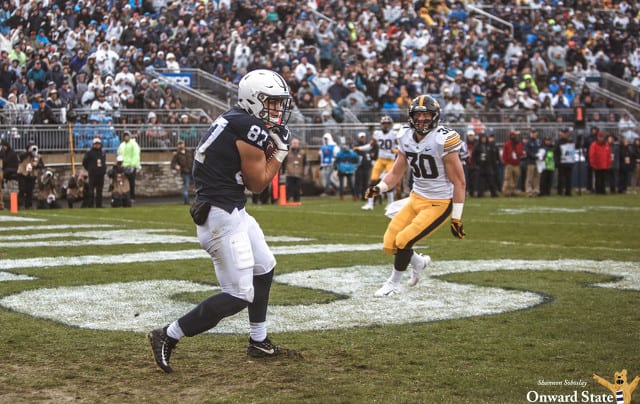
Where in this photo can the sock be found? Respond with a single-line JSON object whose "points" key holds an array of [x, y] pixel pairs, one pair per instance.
{"points": [[396, 276], [391, 195], [261, 288], [258, 331], [370, 201], [174, 330], [416, 261]]}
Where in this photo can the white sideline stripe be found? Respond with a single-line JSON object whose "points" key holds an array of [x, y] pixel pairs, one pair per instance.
{"points": [[12, 218], [171, 256], [6, 276], [110, 237], [52, 227]]}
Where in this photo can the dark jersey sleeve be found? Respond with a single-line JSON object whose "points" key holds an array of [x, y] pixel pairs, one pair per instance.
{"points": [[217, 166]]}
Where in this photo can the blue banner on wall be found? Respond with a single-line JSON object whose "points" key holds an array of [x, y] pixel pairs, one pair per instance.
{"points": [[184, 79]]}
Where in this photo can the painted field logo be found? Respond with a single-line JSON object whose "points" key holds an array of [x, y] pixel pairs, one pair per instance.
{"points": [[620, 388]]}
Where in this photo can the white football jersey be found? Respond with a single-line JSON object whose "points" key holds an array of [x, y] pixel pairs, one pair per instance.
{"points": [[425, 160], [386, 143]]}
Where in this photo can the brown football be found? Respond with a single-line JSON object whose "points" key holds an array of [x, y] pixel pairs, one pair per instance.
{"points": [[270, 149]]}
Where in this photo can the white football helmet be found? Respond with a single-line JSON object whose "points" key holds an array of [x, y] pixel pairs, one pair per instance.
{"points": [[265, 95]]}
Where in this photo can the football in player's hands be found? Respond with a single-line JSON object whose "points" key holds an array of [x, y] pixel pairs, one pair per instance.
{"points": [[270, 149], [456, 228]]}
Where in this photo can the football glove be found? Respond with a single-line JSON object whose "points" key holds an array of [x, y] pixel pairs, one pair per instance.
{"points": [[456, 228], [280, 137], [372, 191]]}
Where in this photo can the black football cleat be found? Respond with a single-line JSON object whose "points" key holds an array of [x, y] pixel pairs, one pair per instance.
{"points": [[162, 345], [266, 349]]}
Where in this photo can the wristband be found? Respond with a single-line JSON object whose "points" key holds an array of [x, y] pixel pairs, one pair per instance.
{"points": [[280, 155], [383, 187], [456, 211]]}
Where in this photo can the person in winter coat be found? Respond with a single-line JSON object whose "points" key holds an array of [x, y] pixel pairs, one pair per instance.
{"points": [[120, 188], [532, 184], [95, 162], [512, 152], [565, 158], [546, 177], [346, 162], [182, 163], [600, 161], [30, 165], [626, 165], [483, 157]]}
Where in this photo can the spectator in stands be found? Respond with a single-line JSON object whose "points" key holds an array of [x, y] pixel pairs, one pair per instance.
{"points": [[155, 133], [154, 96], [38, 75], [124, 79], [10, 110], [454, 111], [53, 100], [44, 114], [627, 127], [66, 94]]}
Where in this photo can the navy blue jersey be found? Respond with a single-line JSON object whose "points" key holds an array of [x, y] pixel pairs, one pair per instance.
{"points": [[216, 166]]}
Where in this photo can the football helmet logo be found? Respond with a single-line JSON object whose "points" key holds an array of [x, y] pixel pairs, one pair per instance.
{"points": [[424, 103], [265, 95]]}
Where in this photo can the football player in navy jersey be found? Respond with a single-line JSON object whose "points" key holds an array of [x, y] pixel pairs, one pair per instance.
{"points": [[431, 151], [244, 148]]}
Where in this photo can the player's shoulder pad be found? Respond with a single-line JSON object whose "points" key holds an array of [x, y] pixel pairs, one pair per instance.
{"points": [[449, 138], [244, 126]]}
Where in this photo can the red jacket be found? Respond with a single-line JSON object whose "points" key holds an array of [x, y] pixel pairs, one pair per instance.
{"points": [[600, 156], [511, 153]]}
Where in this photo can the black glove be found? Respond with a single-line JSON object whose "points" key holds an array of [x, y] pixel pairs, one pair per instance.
{"points": [[372, 192], [456, 228], [280, 137], [283, 134]]}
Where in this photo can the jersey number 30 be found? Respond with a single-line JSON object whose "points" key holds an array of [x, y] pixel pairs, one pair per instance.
{"points": [[422, 165]]}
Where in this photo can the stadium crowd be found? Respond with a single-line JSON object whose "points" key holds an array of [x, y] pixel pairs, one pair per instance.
{"points": [[336, 56], [345, 54]]}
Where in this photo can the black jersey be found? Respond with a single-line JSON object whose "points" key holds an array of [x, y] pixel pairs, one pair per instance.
{"points": [[216, 166]]}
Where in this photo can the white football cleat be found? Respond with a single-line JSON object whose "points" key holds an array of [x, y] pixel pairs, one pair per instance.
{"points": [[417, 272], [367, 207], [387, 290]]}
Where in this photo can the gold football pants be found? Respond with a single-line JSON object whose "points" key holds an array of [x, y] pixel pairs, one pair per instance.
{"points": [[381, 165], [418, 219]]}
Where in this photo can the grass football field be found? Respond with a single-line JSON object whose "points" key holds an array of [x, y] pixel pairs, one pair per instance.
{"points": [[542, 294]]}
